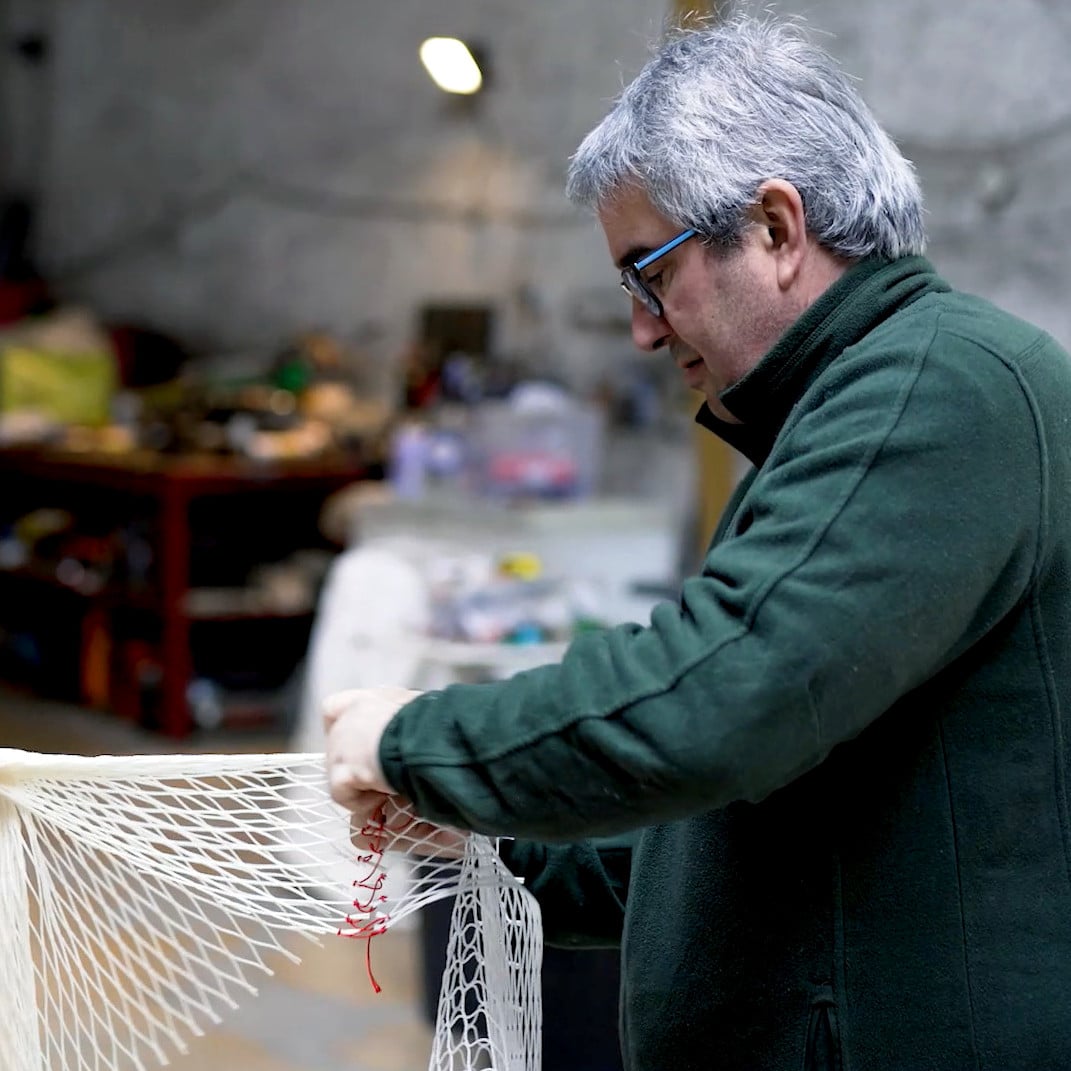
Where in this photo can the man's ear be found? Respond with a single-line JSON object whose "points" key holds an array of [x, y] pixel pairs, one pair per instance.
{"points": [[778, 210]]}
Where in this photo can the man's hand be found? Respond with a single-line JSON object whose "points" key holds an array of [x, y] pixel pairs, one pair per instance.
{"points": [[355, 721], [380, 819]]}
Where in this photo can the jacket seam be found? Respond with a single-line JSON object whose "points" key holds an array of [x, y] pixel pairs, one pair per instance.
{"points": [[959, 895], [1039, 438], [1059, 749]]}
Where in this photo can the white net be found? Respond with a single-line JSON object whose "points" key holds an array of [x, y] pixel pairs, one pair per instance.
{"points": [[140, 895]]}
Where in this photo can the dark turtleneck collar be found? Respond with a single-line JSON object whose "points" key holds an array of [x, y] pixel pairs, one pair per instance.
{"points": [[865, 295]]}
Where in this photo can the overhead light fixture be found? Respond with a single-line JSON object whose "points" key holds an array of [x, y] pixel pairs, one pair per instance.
{"points": [[451, 64]]}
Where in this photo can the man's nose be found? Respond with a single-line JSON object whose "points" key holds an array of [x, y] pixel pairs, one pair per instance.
{"points": [[649, 332]]}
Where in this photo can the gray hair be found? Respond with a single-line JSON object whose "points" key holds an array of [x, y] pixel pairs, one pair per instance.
{"points": [[721, 109]]}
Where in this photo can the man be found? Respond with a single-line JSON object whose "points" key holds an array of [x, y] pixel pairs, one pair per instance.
{"points": [[835, 772]]}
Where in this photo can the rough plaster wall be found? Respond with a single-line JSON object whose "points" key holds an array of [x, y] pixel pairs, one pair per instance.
{"points": [[237, 170], [978, 95]]}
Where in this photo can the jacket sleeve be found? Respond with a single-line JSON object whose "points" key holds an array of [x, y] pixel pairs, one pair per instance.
{"points": [[895, 523], [581, 888]]}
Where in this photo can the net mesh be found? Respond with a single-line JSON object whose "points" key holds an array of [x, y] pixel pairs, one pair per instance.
{"points": [[140, 896]]}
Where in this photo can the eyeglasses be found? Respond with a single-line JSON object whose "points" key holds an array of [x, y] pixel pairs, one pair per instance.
{"points": [[632, 282]]}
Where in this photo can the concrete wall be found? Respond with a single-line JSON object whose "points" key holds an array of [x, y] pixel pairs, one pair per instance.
{"points": [[978, 95], [240, 170]]}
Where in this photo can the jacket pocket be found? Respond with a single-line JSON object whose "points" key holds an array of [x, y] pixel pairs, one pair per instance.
{"points": [[823, 1051]]}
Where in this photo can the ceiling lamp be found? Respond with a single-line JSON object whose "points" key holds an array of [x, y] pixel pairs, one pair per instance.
{"points": [[451, 64]]}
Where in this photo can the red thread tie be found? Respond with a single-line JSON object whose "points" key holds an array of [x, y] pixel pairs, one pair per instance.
{"points": [[372, 882]]}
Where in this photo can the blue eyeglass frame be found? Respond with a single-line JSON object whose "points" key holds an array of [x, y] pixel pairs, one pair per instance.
{"points": [[633, 284]]}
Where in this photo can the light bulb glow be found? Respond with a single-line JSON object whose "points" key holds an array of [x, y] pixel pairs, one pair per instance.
{"points": [[451, 65]]}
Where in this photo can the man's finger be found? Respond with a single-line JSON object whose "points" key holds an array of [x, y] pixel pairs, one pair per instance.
{"points": [[366, 820], [334, 706], [347, 780]]}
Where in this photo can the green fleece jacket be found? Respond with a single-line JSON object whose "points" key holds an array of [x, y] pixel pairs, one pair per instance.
{"points": [[839, 760]]}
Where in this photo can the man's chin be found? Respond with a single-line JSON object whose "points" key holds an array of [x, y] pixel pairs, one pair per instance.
{"points": [[696, 376]]}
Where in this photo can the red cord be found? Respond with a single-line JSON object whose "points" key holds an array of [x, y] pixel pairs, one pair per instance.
{"points": [[372, 883]]}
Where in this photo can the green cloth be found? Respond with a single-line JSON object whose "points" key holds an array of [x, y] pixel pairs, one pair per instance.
{"points": [[841, 755]]}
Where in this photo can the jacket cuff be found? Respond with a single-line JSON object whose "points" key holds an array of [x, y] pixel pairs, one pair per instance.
{"points": [[390, 756]]}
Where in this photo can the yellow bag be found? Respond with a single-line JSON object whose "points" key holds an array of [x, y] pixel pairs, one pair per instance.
{"points": [[70, 387]]}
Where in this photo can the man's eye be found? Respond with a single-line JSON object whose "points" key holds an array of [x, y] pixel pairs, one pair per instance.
{"points": [[654, 281]]}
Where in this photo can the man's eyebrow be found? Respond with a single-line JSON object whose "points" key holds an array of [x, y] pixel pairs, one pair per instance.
{"points": [[637, 252]]}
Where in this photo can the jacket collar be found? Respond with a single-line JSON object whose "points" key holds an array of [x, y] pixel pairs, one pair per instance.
{"points": [[865, 295]]}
